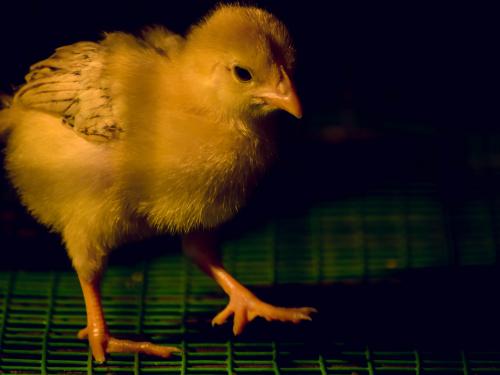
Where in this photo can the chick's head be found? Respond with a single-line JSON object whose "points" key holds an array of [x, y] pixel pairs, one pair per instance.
{"points": [[243, 58]]}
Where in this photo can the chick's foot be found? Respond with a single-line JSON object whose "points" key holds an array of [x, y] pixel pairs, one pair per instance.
{"points": [[246, 307], [102, 343]]}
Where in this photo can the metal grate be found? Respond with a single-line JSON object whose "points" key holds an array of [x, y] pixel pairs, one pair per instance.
{"points": [[171, 302]]}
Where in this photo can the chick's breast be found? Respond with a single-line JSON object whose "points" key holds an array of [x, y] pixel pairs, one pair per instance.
{"points": [[192, 173]]}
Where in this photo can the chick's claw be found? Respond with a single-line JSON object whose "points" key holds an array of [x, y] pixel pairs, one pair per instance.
{"points": [[83, 333], [104, 343], [128, 346], [245, 308]]}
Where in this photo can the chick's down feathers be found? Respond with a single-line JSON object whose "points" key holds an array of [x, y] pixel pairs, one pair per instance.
{"points": [[129, 136]]}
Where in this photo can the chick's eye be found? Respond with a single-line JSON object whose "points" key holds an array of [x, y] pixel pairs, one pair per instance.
{"points": [[242, 74]]}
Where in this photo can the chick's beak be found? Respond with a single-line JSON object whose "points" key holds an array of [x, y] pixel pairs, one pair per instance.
{"points": [[284, 96]]}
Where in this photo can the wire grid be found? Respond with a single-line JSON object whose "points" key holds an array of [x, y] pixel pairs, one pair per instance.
{"points": [[169, 301], [41, 313]]}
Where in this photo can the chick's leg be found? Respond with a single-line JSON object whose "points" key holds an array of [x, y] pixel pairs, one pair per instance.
{"points": [[243, 304], [101, 342]]}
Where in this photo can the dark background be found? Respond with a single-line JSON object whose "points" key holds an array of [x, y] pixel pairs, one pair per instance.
{"points": [[391, 92], [426, 63]]}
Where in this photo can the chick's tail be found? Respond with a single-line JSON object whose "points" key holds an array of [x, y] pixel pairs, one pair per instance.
{"points": [[5, 114]]}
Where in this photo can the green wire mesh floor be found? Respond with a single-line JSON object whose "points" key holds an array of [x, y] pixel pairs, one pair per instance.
{"points": [[169, 301], [166, 301]]}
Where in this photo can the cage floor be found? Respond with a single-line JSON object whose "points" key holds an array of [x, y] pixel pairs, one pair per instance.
{"points": [[427, 326], [170, 302]]}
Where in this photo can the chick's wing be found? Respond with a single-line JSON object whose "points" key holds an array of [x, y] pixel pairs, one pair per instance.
{"points": [[69, 84]]}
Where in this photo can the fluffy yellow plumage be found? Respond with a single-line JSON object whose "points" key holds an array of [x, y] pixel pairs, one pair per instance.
{"points": [[130, 136]]}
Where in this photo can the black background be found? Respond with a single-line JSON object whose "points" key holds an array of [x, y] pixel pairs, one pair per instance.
{"points": [[425, 62]]}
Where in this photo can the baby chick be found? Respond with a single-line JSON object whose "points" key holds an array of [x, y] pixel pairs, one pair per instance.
{"points": [[129, 137]]}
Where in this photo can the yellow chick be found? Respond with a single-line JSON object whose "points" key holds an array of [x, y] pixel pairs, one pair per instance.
{"points": [[129, 137]]}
